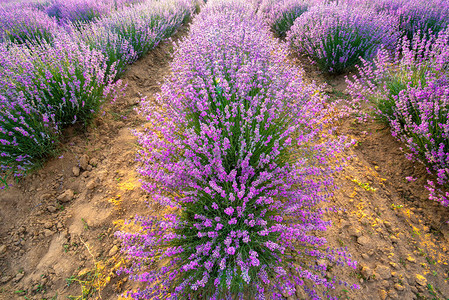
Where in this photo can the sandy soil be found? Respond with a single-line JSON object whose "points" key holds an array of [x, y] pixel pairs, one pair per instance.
{"points": [[57, 225]]}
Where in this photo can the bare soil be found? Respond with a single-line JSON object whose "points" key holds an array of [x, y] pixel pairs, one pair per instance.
{"points": [[57, 225]]}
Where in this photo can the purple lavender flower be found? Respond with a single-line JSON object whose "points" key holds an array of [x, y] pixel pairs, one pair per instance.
{"points": [[229, 211], [335, 36], [144, 25], [221, 148], [280, 15], [230, 250], [44, 87], [78, 12], [117, 51], [419, 16], [64, 79], [24, 24], [26, 135], [409, 90], [413, 16]]}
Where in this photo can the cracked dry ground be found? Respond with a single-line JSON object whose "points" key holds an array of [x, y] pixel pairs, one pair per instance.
{"points": [[57, 225]]}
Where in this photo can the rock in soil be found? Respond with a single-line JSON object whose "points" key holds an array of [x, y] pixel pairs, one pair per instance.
{"points": [[18, 277], [84, 162], [76, 171], [66, 196], [113, 251], [51, 209], [421, 280]]}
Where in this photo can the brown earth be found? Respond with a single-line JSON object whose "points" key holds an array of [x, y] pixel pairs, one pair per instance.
{"points": [[57, 226]]}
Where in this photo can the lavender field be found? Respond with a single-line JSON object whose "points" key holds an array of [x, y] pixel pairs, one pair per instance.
{"points": [[224, 149]]}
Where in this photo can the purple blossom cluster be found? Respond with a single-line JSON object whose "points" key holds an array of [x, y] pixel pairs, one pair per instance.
{"points": [[413, 16], [147, 14], [417, 16], [65, 79], [236, 148], [146, 21], [25, 135], [118, 52], [142, 26], [62, 77], [78, 12], [337, 35], [410, 90], [59, 84], [24, 25], [280, 15]]}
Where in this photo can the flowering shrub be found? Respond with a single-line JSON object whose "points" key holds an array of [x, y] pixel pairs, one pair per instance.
{"points": [[422, 16], [123, 4], [236, 146], [128, 34], [65, 79], [25, 4], [116, 49], [413, 16], [23, 25], [335, 36], [410, 90], [77, 12], [53, 83], [26, 135], [145, 25], [280, 15]]}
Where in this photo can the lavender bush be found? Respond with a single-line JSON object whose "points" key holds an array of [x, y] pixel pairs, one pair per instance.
{"points": [[65, 79], [335, 36], [26, 134], [118, 52], [237, 151], [77, 12], [410, 90], [422, 16], [128, 34], [145, 25], [24, 25], [123, 4], [26, 4], [280, 15], [51, 84], [413, 16]]}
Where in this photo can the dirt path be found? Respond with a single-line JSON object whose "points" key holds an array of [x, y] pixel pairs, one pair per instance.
{"points": [[57, 226], [397, 235]]}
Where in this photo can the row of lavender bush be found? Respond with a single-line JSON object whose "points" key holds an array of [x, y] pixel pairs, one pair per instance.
{"points": [[408, 86], [61, 83], [237, 149], [406, 83], [61, 12], [410, 90], [122, 36], [67, 78], [127, 35], [336, 34]]}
